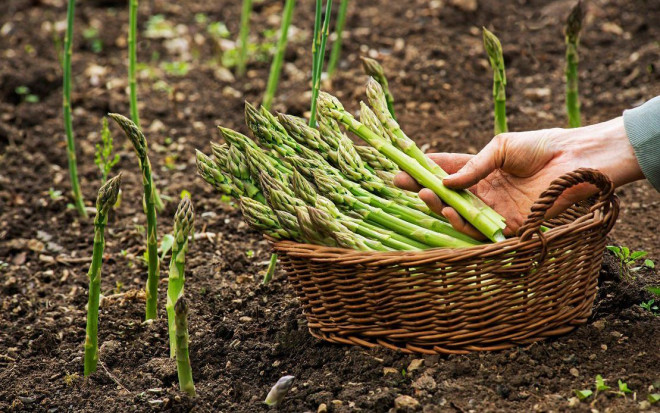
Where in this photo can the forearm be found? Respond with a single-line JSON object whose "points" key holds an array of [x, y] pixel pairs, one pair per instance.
{"points": [[642, 126], [605, 146]]}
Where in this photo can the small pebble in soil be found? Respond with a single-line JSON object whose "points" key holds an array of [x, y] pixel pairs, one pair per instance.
{"points": [[323, 408], [574, 372], [405, 402]]}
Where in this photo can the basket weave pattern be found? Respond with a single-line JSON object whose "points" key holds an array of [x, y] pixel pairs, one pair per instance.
{"points": [[489, 297]]}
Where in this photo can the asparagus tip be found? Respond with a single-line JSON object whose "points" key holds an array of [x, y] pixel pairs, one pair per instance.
{"points": [[574, 23]]}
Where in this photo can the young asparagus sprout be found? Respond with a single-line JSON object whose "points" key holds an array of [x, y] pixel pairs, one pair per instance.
{"points": [[183, 368], [184, 221], [572, 32], [494, 51], [336, 46], [473, 213], [135, 135], [279, 390], [270, 271], [107, 197], [246, 11], [276, 66], [373, 69], [318, 54], [66, 110]]}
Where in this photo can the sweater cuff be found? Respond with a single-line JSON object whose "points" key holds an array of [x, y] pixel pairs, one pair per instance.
{"points": [[643, 128]]}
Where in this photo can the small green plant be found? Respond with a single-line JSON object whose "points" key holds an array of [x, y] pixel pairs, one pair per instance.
{"points": [[249, 253], [627, 258], [91, 34], [218, 30], [55, 195], [106, 199], [600, 384], [103, 156], [175, 68], [583, 394], [654, 398], [653, 289], [623, 388], [651, 306], [26, 96]]}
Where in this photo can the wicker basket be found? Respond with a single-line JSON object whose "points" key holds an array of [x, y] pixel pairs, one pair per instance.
{"points": [[483, 298]]}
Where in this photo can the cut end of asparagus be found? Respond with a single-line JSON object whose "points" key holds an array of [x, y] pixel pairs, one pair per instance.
{"points": [[108, 194], [574, 23]]}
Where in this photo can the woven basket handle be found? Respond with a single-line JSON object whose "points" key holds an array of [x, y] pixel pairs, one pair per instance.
{"points": [[536, 217]]}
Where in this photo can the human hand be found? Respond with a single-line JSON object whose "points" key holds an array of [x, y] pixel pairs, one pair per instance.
{"points": [[512, 171]]}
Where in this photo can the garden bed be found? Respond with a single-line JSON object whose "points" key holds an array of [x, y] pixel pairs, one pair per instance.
{"points": [[244, 336]]}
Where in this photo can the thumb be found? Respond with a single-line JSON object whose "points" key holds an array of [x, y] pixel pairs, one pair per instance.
{"points": [[479, 167]]}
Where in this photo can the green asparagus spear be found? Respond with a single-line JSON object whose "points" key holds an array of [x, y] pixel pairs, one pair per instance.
{"points": [[374, 70], [276, 66], [183, 368], [184, 221], [572, 32], [107, 197], [494, 51], [134, 134]]}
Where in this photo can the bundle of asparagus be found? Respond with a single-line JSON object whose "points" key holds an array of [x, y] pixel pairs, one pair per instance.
{"points": [[314, 185]]}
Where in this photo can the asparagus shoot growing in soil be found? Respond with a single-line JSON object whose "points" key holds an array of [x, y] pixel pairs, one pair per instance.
{"points": [[279, 390], [243, 37], [572, 32], [318, 53], [132, 59], [68, 120], [184, 371], [184, 221], [494, 51], [276, 66], [374, 70], [135, 135], [336, 46], [107, 197]]}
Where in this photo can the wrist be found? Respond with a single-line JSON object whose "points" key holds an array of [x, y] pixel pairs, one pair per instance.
{"points": [[605, 146]]}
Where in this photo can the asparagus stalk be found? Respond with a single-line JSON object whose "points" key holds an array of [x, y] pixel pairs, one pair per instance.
{"points": [[107, 197], [184, 221], [66, 109], [473, 213], [572, 32], [494, 51], [134, 134], [341, 196], [325, 223], [270, 272], [304, 190], [318, 54], [184, 371], [390, 129], [339, 29], [276, 66], [243, 37], [374, 70]]}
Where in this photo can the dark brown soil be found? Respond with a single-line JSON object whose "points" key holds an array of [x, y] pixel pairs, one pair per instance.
{"points": [[245, 335]]}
